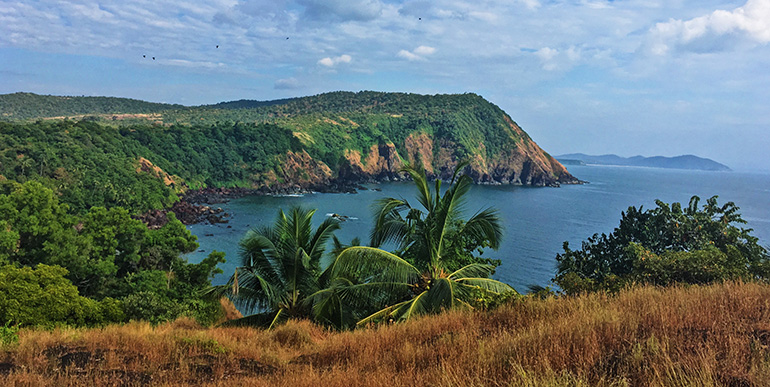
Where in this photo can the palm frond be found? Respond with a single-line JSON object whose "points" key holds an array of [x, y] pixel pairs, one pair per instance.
{"points": [[373, 294], [257, 252], [254, 291], [392, 229], [329, 306], [473, 270], [386, 211], [376, 316], [369, 264], [319, 240], [440, 296], [487, 284], [459, 169], [450, 208], [485, 225], [421, 182]]}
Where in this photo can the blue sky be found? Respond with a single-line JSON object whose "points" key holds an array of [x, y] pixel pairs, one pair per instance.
{"points": [[650, 77]]}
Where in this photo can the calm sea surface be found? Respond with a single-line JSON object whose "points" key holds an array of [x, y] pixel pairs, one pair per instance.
{"points": [[537, 220]]}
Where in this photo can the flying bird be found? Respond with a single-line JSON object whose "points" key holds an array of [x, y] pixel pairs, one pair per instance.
{"points": [[217, 46], [153, 58], [144, 56]]}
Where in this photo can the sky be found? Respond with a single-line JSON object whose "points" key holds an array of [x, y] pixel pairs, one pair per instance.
{"points": [[630, 77]]}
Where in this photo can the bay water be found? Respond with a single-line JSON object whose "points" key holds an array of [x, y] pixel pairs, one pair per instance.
{"points": [[537, 220]]}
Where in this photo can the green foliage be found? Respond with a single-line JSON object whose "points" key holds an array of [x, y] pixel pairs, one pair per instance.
{"points": [[664, 245], [104, 255], [436, 234], [280, 270], [394, 288], [21, 106], [692, 267], [152, 307], [85, 163], [43, 296], [9, 334]]}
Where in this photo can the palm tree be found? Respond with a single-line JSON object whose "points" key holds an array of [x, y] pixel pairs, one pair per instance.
{"points": [[423, 283], [280, 271]]}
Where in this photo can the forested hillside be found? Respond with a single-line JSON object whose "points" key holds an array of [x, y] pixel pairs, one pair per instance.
{"points": [[308, 142], [24, 106]]}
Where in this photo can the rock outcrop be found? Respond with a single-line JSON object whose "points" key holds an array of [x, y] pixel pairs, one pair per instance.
{"points": [[523, 163]]}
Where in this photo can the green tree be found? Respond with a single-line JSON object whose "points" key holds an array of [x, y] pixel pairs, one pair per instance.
{"points": [[280, 269], [423, 282], [43, 296], [39, 225], [436, 235], [608, 262]]}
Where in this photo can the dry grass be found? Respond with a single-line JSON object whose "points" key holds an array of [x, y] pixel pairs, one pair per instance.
{"points": [[697, 336]]}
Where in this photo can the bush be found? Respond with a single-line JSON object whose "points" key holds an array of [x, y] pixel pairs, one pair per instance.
{"points": [[150, 306], [43, 296], [9, 334], [666, 245]]}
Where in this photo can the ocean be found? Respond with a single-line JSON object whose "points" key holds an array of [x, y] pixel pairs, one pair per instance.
{"points": [[537, 221]]}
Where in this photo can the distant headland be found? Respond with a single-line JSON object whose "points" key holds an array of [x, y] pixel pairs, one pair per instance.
{"points": [[678, 162]]}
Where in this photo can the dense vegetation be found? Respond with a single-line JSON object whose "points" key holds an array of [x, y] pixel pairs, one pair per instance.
{"points": [[89, 164], [23, 106], [101, 266], [666, 245]]}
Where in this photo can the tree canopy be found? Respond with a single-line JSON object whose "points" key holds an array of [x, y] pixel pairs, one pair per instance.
{"points": [[666, 244]]}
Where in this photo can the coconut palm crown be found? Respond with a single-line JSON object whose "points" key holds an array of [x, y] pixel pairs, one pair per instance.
{"points": [[424, 285], [280, 270]]}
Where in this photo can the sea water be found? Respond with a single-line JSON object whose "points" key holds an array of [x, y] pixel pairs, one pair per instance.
{"points": [[537, 221]]}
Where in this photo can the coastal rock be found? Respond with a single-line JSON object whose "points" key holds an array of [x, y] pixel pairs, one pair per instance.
{"points": [[187, 213]]}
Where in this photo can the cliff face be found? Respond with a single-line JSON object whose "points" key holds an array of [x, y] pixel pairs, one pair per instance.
{"points": [[297, 171], [521, 162]]}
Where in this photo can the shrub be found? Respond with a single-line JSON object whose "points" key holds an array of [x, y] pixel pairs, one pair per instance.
{"points": [[43, 296], [665, 245]]}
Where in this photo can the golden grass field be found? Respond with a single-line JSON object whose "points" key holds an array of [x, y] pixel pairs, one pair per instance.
{"points": [[685, 336]]}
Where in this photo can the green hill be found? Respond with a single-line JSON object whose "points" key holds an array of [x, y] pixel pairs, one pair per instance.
{"points": [[309, 143], [26, 106]]}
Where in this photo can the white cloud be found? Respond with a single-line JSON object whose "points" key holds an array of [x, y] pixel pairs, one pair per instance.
{"points": [[409, 56], [531, 4], [331, 62], [286, 84], [418, 54], [717, 31], [487, 17], [424, 50], [547, 55]]}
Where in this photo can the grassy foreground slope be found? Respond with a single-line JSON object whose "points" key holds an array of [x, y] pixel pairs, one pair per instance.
{"points": [[699, 336]]}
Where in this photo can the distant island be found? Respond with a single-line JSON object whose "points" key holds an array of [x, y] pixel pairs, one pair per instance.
{"points": [[678, 162]]}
